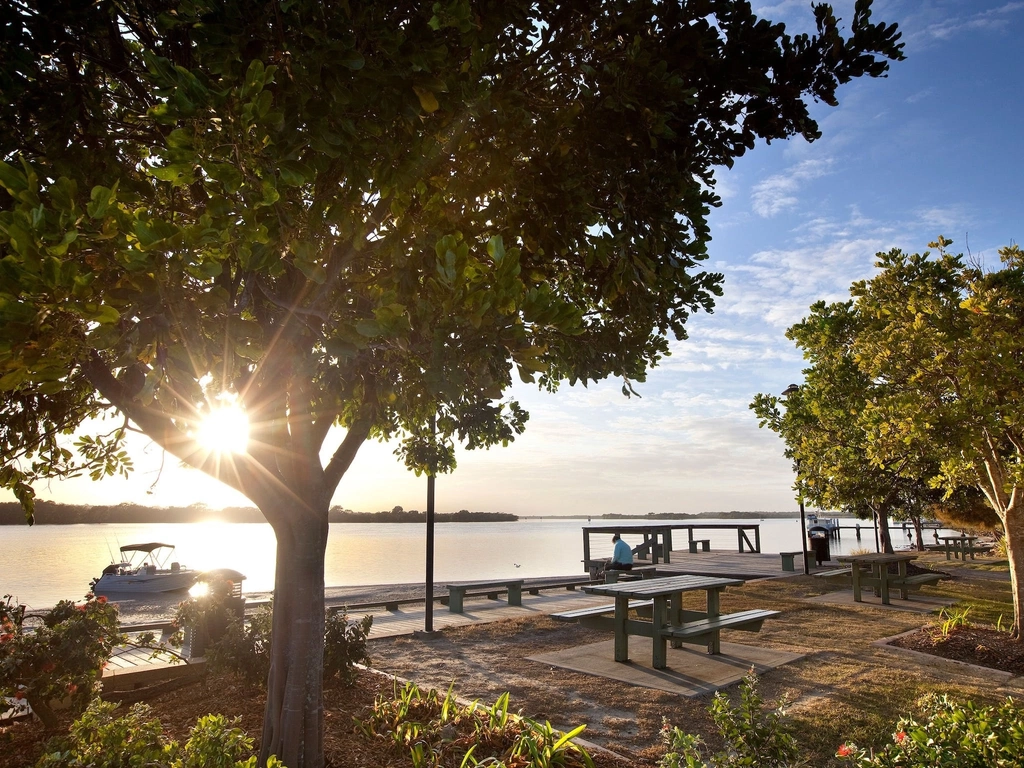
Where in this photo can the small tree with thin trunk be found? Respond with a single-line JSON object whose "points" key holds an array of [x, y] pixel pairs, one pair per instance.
{"points": [[361, 216]]}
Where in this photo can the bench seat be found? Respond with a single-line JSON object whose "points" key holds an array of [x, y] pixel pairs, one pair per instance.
{"points": [[569, 585], [838, 573], [637, 572], [705, 545], [747, 621], [789, 559], [598, 610], [491, 589], [920, 579]]}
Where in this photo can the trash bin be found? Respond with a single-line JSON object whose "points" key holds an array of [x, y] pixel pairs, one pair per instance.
{"points": [[819, 545]]}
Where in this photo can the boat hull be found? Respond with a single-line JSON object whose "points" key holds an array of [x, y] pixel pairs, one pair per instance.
{"points": [[134, 583]]}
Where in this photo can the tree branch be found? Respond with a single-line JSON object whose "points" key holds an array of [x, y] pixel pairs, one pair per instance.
{"points": [[342, 458]]}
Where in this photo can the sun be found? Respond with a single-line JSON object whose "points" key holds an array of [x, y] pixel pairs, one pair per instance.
{"points": [[224, 430]]}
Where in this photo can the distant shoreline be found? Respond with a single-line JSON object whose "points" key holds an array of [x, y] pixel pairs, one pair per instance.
{"points": [[53, 513]]}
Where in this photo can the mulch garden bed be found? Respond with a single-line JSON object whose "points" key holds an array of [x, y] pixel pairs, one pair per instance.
{"points": [[973, 645]]}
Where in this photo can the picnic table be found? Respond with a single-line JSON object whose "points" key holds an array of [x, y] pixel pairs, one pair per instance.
{"points": [[872, 570], [959, 546], [669, 620]]}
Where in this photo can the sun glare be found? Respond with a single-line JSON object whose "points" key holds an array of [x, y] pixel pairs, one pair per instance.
{"points": [[225, 430]]}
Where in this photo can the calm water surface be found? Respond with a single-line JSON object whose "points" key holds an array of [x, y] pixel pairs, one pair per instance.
{"points": [[46, 563]]}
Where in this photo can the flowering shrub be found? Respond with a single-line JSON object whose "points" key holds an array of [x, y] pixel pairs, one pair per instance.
{"points": [[753, 736], [57, 656], [100, 739], [951, 734]]}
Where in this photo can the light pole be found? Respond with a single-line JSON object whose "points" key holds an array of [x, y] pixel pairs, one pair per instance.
{"points": [[790, 390]]}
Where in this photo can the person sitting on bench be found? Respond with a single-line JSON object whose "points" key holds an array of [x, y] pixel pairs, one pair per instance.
{"points": [[622, 557]]}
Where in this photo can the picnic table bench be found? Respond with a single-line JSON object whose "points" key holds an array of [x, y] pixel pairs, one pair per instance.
{"points": [[662, 600], [598, 610], [704, 544], [491, 589], [872, 570]]}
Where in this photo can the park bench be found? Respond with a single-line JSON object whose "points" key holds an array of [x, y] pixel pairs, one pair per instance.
{"points": [[490, 589], [598, 610], [789, 559], [705, 545]]}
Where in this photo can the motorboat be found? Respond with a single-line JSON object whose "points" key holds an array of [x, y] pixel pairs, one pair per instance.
{"points": [[144, 568], [827, 525]]}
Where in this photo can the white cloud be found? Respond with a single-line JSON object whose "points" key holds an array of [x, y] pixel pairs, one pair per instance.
{"points": [[779, 192]]}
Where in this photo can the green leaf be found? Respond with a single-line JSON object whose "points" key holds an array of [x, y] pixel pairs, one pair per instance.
{"points": [[294, 173], [100, 199], [177, 174], [312, 271], [427, 99], [12, 179]]}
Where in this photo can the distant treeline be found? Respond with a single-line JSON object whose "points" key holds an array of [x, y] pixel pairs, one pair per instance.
{"points": [[700, 515], [53, 513]]}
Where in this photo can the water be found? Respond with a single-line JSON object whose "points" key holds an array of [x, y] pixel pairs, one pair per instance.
{"points": [[46, 563]]}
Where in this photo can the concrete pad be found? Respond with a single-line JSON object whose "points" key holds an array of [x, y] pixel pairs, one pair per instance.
{"points": [[916, 604], [691, 670]]}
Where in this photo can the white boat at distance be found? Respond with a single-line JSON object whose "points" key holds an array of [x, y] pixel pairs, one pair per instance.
{"points": [[144, 569], [828, 525]]}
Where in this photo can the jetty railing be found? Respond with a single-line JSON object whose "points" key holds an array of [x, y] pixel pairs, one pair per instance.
{"points": [[657, 539]]}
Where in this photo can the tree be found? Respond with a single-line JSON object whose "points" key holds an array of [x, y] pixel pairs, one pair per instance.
{"points": [[945, 336], [360, 216], [826, 436]]}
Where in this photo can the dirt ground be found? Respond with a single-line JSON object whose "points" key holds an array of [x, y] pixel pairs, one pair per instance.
{"points": [[844, 689]]}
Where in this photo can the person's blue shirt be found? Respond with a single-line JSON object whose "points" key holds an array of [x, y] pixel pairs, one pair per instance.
{"points": [[622, 553]]}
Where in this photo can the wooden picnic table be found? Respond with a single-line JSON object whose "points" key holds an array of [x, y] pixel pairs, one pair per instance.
{"points": [[873, 570], [669, 620], [959, 546]]}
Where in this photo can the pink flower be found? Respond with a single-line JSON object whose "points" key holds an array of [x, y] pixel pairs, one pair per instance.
{"points": [[6, 638], [72, 687], [901, 736], [101, 599], [845, 750]]}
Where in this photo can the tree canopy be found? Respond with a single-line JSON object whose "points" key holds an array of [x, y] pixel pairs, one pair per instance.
{"points": [[914, 388], [361, 215]]}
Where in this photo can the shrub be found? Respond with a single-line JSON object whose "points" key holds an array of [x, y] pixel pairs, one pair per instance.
{"points": [[952, 734], [242, 648], [101, 739], [753, 737], [344, 647], [57, 656]]}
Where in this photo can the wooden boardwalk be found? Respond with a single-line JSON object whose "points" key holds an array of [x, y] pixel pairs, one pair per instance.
{"points": [[740, 565]]}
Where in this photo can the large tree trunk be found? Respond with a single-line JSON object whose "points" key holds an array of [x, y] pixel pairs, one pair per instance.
{"points": [[294, 719], [1013, 526]]}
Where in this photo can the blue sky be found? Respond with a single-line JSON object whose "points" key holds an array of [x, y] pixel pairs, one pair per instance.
{"points": [[934, 148]]}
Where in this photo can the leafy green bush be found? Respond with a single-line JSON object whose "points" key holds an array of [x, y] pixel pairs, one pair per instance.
{"points": [[58, 656], [344, 647], [953, 734], [101, 739], [242, 647], [753, 737], [435, 731]]}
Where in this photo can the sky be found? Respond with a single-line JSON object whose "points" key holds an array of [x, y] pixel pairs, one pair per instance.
{"points": [[937, 147]]}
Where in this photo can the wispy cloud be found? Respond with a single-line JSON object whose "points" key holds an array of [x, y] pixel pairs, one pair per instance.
{"points": [[927, 28], [779, 192]]}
